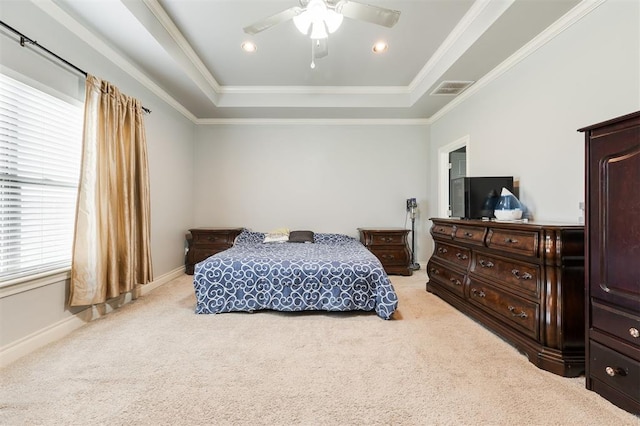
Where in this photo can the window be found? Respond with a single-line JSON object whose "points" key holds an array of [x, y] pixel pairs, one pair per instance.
{"points": [[40, 151]]}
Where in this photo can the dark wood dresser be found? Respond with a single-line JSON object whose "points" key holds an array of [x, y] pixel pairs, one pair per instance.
{"points": [[205, 242], [390, 246], [612, 225], [523, 281]]}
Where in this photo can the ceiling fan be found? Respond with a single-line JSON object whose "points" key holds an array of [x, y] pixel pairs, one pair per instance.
{"points": [[318, 18]]}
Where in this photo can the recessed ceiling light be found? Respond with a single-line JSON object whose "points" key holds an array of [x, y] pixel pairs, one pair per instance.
{"points": [[249, 46], [380, 47]]}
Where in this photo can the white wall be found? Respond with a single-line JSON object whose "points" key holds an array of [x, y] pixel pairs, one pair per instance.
{"points": [[29, 312], [524, 123], [322, 177]]}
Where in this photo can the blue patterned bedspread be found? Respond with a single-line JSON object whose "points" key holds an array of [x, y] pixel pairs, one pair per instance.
{"points": [[335, 273]]}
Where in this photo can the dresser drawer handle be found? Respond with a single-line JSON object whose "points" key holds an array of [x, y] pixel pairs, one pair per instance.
{"points": [[476, 292], [455, 281], [525, 276], [510, 240], [387, 239], [486, 264], [634, 332], [468, 234], [615, 371], [213, 238], [388, 256], [521, 314], [440, 229], [434, 271], [442, 250], [462, 256]]}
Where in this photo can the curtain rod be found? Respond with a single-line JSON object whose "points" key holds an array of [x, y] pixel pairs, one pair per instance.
{"points": [[24, 38]]}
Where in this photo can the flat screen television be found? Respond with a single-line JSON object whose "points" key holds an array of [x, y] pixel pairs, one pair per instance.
{"points": [[476, 197]]}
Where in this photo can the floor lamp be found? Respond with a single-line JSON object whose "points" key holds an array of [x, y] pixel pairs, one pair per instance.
{"points": [[412, 207]]}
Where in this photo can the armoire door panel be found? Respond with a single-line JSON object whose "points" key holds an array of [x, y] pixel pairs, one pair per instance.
{"points": [[615, 250]]}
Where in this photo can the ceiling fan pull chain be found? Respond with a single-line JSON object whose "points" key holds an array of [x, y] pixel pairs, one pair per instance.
{"points": [[313, 55]]}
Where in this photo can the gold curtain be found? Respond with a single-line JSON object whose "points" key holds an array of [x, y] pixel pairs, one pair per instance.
{"points": [[111, 252]]}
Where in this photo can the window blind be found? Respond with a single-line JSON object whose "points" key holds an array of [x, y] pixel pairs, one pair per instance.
{"points": [[40, 151]]}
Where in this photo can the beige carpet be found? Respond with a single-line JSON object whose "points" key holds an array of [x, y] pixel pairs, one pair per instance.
{"points": [[154, 362]]}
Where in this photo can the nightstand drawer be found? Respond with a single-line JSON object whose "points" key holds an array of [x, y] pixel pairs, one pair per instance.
{"points": [[383, 239], [210, 238], [200, 254], [392, 257]]}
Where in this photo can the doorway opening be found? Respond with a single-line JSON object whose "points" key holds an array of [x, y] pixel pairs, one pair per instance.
{"points": [[453, 164]]}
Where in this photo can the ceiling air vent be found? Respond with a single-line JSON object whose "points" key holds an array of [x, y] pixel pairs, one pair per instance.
{"points": [[451, 87]]}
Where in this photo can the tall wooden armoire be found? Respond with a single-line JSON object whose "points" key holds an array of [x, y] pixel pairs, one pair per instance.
{"points": [[612, 260]]}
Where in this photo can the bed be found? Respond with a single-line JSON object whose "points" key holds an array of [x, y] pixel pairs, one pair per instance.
{"points": [[328, 272]]}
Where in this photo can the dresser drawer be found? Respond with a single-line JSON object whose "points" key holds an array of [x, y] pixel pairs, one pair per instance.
{"points": [[452, 280], [513, 310], [470, 235], [614, 369], [520, 242], [457, 255], [440, 230], [620, 324], [524, 278], [391, 257]]}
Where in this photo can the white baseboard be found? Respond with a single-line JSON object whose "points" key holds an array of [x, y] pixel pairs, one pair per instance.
{"points": [[15, 350]]}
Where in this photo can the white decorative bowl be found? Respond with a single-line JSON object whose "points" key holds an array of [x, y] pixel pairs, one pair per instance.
{"points": [[514, 214]]}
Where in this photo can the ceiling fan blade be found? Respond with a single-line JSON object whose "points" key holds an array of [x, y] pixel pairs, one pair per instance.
{"points": [[266, 23], [368, 13], [320, 48]]}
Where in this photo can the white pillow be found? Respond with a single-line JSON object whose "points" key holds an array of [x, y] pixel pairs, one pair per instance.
{"points": [[280, 235]]}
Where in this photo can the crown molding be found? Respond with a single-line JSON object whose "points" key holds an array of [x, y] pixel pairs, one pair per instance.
{"points": [[313, 121], [95, 42], [481, 15], [182, 42], [159, 25], [317, 90], [581, 10]]}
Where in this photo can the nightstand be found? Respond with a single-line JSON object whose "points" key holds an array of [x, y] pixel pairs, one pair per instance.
{"points": [[390, 246], [205, 242]]}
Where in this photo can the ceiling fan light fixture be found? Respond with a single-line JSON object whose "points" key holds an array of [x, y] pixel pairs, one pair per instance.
{"points": [[333, 20], [318, 31], [316, 10], [317, 21], [302, 22]]}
